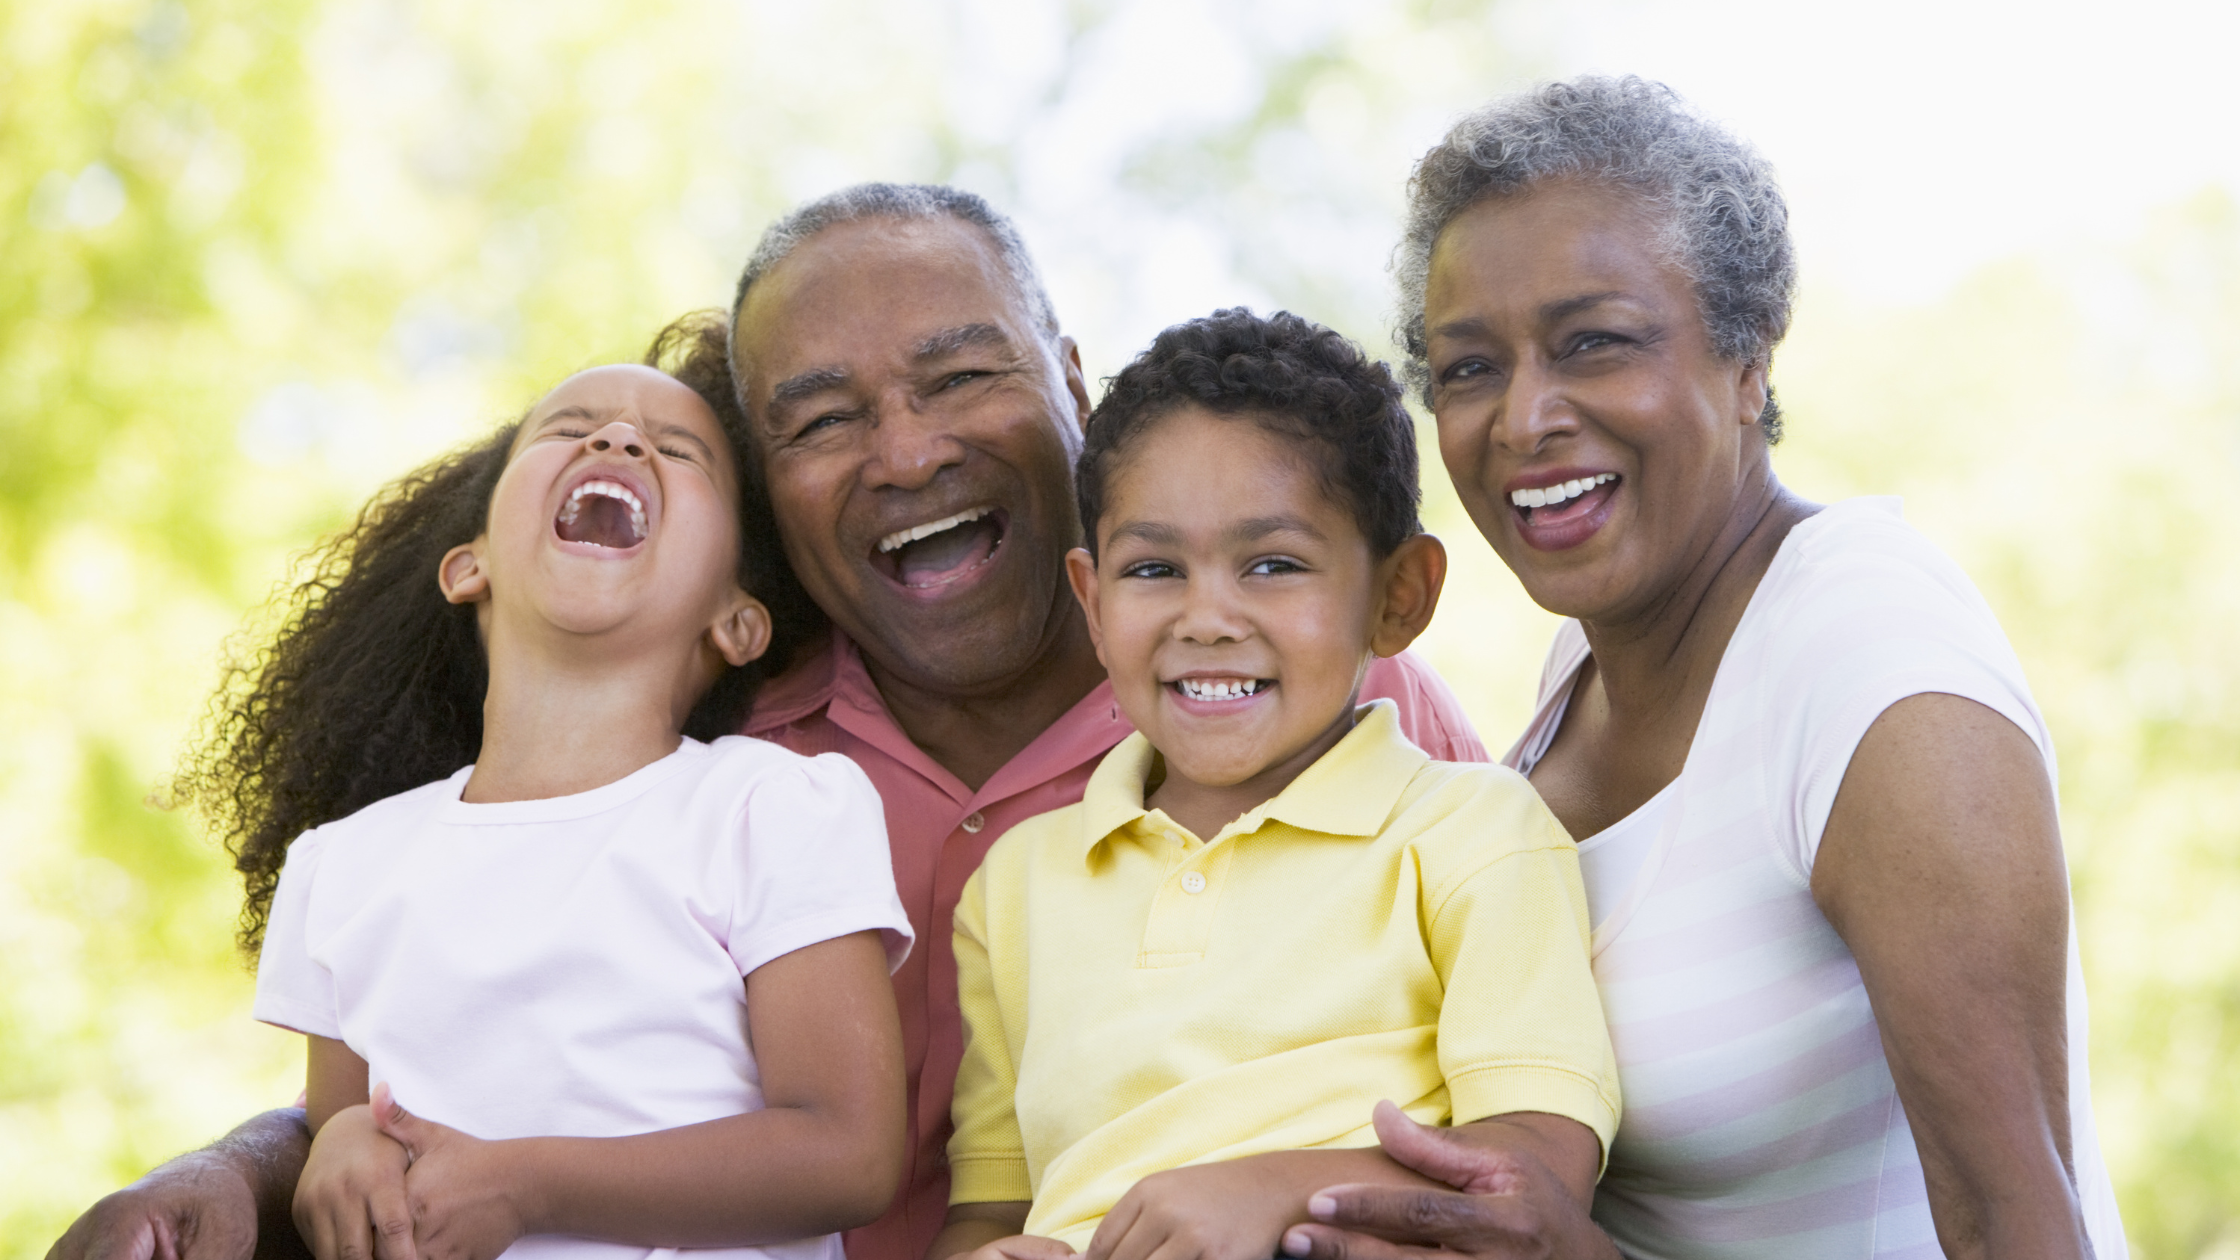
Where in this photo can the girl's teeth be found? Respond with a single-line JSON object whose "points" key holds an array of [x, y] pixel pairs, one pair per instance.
{"points": [[1549, 496]]}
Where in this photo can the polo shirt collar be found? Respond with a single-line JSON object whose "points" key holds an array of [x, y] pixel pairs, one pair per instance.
{"points": [[1349, 791]]}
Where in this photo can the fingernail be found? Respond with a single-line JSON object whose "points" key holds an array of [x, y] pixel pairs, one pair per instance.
{"points": [[1321, 1207], [1295, 1243]]}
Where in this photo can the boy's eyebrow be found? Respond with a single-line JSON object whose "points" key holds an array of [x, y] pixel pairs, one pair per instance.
{"points": [[1283, 523], [1151, 532]]}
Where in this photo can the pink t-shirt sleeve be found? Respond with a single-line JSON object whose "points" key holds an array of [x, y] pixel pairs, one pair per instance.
{"points": [[1430, 716], [811, 864], [293, 990]]}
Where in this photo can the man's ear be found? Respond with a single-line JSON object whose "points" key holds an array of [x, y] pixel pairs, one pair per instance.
{"points": [[1081, 573], [1413, 575], [461, 575], [1077, 384], [742, 633]]}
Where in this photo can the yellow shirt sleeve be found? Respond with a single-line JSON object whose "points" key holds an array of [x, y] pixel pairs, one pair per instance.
{"points": [[987, 1157], [1522, 1027]]}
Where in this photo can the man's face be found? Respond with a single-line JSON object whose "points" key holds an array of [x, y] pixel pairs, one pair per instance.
{"points": [[918, 434]]}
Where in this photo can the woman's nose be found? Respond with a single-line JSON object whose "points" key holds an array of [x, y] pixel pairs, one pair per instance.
{"points": [[620, 435], [1536, 409]]}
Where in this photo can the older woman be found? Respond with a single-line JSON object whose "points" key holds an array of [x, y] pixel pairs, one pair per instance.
{"points": [[1814, 796]]}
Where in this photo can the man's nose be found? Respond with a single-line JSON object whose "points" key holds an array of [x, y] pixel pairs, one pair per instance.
{"points": [[909, 446], [622, 437]]}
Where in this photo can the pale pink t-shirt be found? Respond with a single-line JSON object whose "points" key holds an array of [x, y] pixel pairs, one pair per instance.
{"points": [[572, 967], [1761, 1118]]}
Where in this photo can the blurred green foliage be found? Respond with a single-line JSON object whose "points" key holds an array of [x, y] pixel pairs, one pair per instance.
{"points": [[257, 258]]}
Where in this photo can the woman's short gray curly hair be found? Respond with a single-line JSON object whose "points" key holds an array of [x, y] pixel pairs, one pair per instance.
{"points": [[1724, 221]]}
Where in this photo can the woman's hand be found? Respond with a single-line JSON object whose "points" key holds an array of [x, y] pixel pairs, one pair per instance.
{"points": [[1941, 868], [1506, 1202], [1235, 1210], [350, 1200], [461, 1191]]}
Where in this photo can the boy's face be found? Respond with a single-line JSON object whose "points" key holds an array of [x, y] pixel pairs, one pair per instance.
{"points": [[1232, 601]]}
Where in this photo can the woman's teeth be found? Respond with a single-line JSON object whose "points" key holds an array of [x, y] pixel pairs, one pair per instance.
{"points": [[608, 489], [1209, 689], [1550, 496], [904, 537]]}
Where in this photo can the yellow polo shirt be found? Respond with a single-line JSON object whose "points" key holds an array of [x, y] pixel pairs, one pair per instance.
{"points": [[1136, 998]]}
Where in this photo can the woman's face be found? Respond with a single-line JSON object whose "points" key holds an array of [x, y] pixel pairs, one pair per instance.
{"points": [[1596, 440]]}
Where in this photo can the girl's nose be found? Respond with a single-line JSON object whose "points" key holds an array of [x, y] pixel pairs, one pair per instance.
{"points": [[620, 435]]}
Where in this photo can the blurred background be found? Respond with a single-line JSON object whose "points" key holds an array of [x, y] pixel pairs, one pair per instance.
{"points": [[258, 257]]}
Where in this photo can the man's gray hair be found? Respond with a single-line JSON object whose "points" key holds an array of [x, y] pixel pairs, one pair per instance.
{"points": [[906, 202], [1724, 222]]}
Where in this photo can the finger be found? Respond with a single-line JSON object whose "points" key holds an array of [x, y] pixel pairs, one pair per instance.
{"points": [[1465, 1222], [1328, 1242], [405, 1129], [1437, 1153], [1114, 1226], [1034, 1247], [392, 1223]]}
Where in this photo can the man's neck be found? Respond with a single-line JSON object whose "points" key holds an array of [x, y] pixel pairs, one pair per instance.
{"points": [[973, 735]]}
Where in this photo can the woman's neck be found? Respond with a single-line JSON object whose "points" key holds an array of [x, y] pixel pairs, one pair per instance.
{"points": [[1654, 666], [556, 724]]}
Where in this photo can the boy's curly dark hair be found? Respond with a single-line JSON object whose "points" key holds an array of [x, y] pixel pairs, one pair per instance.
{"points": [[1289, 375], [373, 683]]}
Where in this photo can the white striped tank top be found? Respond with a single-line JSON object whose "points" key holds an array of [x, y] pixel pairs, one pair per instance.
{"points": [[1761, 1119]]}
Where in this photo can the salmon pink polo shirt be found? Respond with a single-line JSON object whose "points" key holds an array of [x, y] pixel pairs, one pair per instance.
{"points": [[939, 829]]}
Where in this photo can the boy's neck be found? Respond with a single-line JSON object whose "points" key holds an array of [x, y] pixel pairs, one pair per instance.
{"points": [[1206, 808], [556, 724]]}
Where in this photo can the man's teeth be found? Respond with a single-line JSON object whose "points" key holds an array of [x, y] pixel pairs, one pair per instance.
{"points": [[1210, 689], [902, 537], [1549, 496], [612, 490]]}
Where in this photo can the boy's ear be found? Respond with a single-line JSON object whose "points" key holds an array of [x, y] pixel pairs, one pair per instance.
{"points": [[1081, 573], [1413, 575], [461, 576], [742, 633]]}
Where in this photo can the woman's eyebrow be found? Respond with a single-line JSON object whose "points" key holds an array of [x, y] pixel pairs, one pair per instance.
{"points": [[1564, 307]]}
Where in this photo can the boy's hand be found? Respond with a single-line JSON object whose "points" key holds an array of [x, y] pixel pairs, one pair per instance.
{"points": [[350, 1200], [1235, 1210], [460, 1190], [1022, 1247]]}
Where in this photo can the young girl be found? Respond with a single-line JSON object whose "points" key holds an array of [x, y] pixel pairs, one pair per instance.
{"points": [[567, 971]]}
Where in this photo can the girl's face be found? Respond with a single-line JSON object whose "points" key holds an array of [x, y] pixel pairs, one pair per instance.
{"points": [[1596, 439], [616, 519]]}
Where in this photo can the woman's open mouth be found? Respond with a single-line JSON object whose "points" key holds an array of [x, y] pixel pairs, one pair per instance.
{"points": [[1564, 514], [940, 552], [603, 514]]}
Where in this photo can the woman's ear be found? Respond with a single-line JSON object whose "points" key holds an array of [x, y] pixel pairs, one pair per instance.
{"points": [[461, 575], [1413, 575], [1755, 388], [1081, 572], [742, 633]]}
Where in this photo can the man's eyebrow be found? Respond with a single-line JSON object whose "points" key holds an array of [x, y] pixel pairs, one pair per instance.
{"points": [[804, 384], [1283, 523], [962, 337]]}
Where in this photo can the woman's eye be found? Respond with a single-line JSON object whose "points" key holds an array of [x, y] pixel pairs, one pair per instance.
{"points": [[1466, 369], [1585, 342]]}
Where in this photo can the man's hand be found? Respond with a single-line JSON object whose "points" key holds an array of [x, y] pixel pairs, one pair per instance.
{"points": [[1234, 1210], [350, 1202], [459, 1190], [1505, 1203], [225, 1202]]}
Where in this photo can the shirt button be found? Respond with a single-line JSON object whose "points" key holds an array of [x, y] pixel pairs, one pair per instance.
{"points": [[974, 821], [1193, 882]]}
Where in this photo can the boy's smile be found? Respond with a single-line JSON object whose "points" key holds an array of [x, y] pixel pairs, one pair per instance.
{"points": [[1235, 604]]}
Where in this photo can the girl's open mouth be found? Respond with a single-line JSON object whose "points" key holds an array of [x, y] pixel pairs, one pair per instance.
{"points": [[943, 551], [603, 514]]}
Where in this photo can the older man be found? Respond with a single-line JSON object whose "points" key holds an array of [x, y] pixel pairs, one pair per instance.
{"points": [[919, 411]]}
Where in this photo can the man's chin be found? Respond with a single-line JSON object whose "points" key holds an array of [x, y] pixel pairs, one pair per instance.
{"points": [[955, 639]]}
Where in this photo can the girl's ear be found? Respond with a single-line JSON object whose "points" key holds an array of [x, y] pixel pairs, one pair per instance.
{"points": [[742, 633], [1081, 572], [461, 574], [1413, 575]]}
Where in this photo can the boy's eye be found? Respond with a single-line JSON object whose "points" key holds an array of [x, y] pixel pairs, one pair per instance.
{"points": [[1273, 566], [1150, 569]]}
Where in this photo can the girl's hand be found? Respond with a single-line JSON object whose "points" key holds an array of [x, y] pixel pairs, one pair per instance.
{"points": [[1022, 1247], [1234, 1210], [461, 1191], [350, 1200]]}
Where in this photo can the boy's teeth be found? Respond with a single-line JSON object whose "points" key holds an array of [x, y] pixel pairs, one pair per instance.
{"points": [[903, 537], [1207, 689], [1549, 496]]}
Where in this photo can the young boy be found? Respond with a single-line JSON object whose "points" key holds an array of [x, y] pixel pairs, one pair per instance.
{"points": [[1184, 995]]}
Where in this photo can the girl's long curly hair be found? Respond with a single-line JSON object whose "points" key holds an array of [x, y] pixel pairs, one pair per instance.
{"points": [[373, 683]]}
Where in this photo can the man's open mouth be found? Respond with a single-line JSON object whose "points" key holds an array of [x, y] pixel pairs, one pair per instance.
{"points": [[937, 553], [604, 514]]}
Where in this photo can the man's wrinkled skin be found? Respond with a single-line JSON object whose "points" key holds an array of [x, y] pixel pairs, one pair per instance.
{"points": [[204, 1205]]}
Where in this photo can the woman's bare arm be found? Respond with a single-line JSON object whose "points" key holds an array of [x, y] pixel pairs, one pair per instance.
{"points": [[1941, 868]]}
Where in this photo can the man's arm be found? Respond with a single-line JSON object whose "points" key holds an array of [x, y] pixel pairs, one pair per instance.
{"points": [[227, 1201]]}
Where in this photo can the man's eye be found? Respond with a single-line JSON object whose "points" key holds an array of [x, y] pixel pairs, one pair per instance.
{"points": [[821, 422], [955, 379]]}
